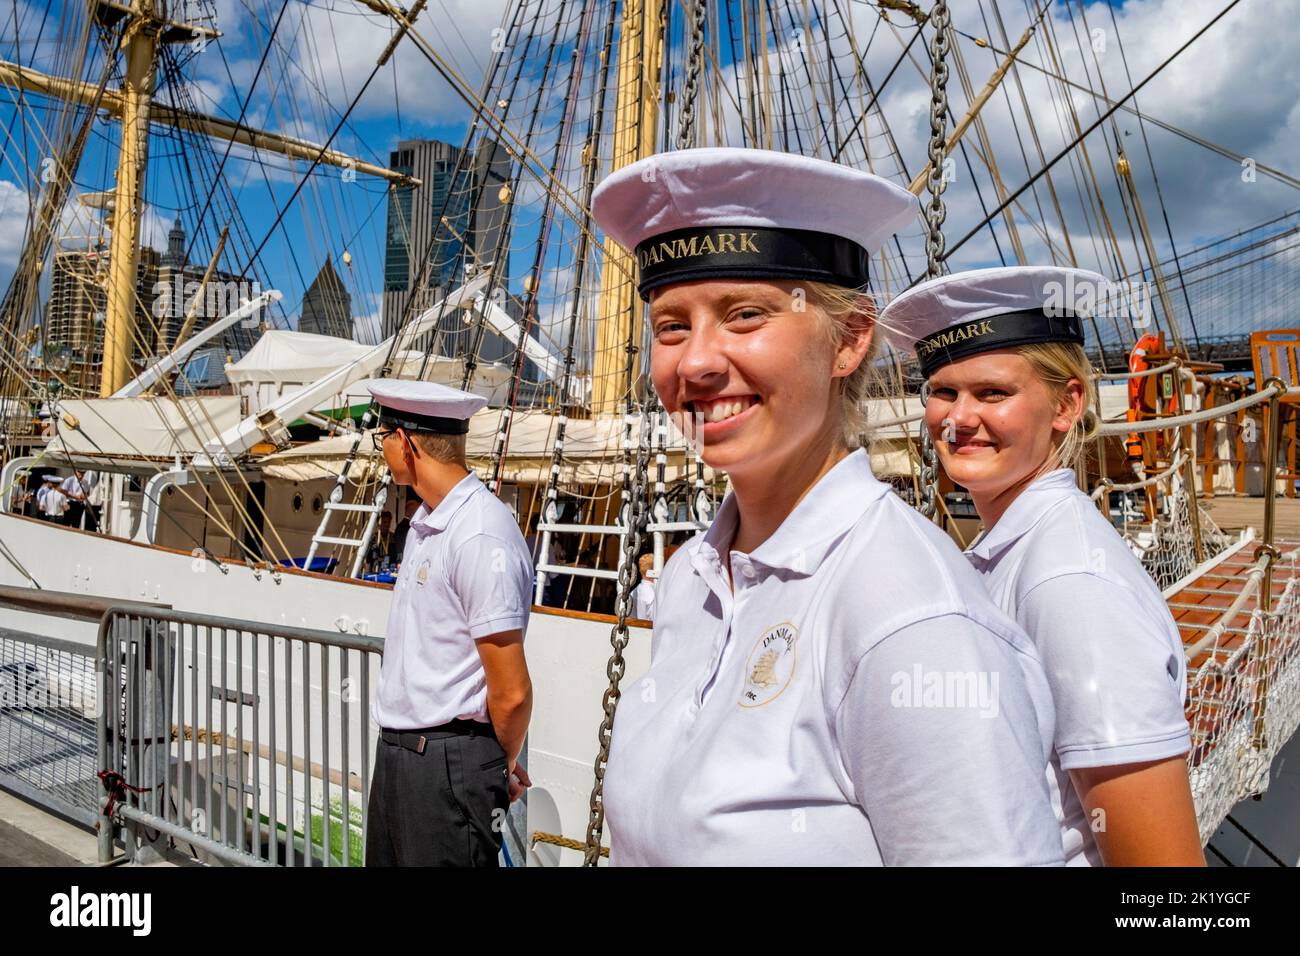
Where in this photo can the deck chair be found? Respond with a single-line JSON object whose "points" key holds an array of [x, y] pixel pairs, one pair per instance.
{"points": [[1273, 355]]}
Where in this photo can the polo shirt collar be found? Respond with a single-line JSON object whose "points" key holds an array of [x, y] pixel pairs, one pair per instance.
{"points": [[829, 509], [426, 521], [1026, 511]]}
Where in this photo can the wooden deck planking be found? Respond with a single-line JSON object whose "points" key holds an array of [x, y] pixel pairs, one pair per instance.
{"points": [[1235, 513], [1199, 605]]}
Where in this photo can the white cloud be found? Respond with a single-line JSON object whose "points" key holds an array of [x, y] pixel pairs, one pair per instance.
{"points": [[338, 49]]}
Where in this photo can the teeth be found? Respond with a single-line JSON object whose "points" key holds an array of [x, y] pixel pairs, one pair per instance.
{"points": [[722, 410]]}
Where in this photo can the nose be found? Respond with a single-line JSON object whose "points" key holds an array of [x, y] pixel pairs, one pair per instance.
{"points": [[701, 357], [963, 412]]}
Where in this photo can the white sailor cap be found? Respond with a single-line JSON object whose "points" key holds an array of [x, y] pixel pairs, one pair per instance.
{"points": [[53, 477], [749, 213], [953, 316], [424, 406]]}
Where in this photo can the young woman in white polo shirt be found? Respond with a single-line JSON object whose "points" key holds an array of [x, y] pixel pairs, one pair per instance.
{"points": [[1009, 410], [829, 684]]}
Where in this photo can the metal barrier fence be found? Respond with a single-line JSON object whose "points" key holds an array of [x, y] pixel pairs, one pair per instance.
{"points": [[234, 741], [48, 699]]}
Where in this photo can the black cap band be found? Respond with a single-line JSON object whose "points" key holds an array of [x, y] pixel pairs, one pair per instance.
{"points": [[749, 252], [1027, 327], [414, 422]]}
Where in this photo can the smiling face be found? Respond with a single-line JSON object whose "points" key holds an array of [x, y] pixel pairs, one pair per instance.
{"points": [[755, 359], [995, 423]]}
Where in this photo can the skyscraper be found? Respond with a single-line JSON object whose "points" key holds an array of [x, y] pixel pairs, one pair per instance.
{"points": [[167, 293], [327, 305], [455, 216], [73, 332]]}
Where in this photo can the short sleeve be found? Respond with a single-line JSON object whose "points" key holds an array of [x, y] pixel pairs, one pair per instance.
{"points": [[494, 584], [1116, 674], [940, 734]]}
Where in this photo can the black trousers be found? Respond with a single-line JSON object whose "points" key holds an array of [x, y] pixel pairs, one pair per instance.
{"points": [[446, 806]]}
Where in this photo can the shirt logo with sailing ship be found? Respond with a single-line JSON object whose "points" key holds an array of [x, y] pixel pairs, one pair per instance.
{"points": [[770, 665]]}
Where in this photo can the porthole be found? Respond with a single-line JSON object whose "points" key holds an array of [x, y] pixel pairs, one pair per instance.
{"points": [[317, 503], [297, 502]]}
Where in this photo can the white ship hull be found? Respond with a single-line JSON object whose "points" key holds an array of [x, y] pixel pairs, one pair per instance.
{"points": [[567, 652]]}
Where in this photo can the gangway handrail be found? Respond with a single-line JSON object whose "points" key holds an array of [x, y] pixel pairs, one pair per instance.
{"points": [[1109, 429], [1107, 485], [71, 605], [1120, 376]]}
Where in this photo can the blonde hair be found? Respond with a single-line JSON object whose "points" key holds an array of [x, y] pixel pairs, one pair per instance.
{"points": [[840, 305], [1055, 364]]}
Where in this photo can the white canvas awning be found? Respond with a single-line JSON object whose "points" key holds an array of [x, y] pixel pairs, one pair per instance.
{"points": [[286, 360], [142, 427], [592, 449], [592, 452]]}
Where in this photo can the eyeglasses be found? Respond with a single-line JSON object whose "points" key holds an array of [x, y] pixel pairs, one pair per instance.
{"points": [[379, 436]]}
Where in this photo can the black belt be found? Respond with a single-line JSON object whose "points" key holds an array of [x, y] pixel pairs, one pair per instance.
{"points": [[415, 740]]}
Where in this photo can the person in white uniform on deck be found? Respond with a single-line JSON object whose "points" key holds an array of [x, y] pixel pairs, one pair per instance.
{"points": [[454, 695], [1009, 409], [54, 503], [829, 682]]}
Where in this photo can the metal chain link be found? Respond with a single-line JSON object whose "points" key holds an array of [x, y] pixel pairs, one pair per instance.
{"points": [[635, 514], [634, 517], [686, 128], [934, 183], [934, 217]]}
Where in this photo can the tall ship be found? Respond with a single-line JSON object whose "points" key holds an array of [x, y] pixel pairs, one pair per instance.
{"points": [[226, 220]]}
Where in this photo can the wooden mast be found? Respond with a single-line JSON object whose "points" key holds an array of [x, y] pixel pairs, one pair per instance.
{"points": [[141, 42], [635, 120]]}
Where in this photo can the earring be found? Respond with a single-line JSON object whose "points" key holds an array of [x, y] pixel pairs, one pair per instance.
{"points": [[842, 365]]}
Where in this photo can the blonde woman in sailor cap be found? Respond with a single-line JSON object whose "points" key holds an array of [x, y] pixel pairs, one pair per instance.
{"points": [[829, 682], [1009, 409]]}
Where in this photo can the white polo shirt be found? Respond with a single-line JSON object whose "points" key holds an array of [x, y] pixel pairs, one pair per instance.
{"points": [[857, 700], [643, 600], [1112, 652], [466, 574], [55, 503]]}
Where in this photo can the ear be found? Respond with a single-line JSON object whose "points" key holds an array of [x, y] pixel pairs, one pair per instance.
{"points": [[409, 452], [851, 352], [1069, 409]]}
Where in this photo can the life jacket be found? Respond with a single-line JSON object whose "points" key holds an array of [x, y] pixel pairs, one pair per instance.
{"points": [[1138, 362]]}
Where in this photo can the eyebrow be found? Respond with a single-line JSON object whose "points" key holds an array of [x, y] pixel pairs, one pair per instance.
{"points": [[746, 291], [986, 383]]}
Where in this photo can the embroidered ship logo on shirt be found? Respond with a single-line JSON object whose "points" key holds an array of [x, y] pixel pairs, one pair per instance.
{"points": [[770, 665], [422, 575]]}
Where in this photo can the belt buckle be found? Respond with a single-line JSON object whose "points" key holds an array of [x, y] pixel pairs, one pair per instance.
{"points": [[419, 747]]}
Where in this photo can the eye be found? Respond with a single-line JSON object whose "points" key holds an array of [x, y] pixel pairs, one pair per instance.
{"points": [[671, 330], [994, 394], [944, 394], [746, 316]]}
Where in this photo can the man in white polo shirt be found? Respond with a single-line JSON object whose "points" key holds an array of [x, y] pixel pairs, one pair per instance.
{"points": [[454, 694]]}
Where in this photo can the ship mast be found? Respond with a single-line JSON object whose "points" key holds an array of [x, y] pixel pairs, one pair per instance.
{"points": [[140, 40], [635, 119], [146, 24]]}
